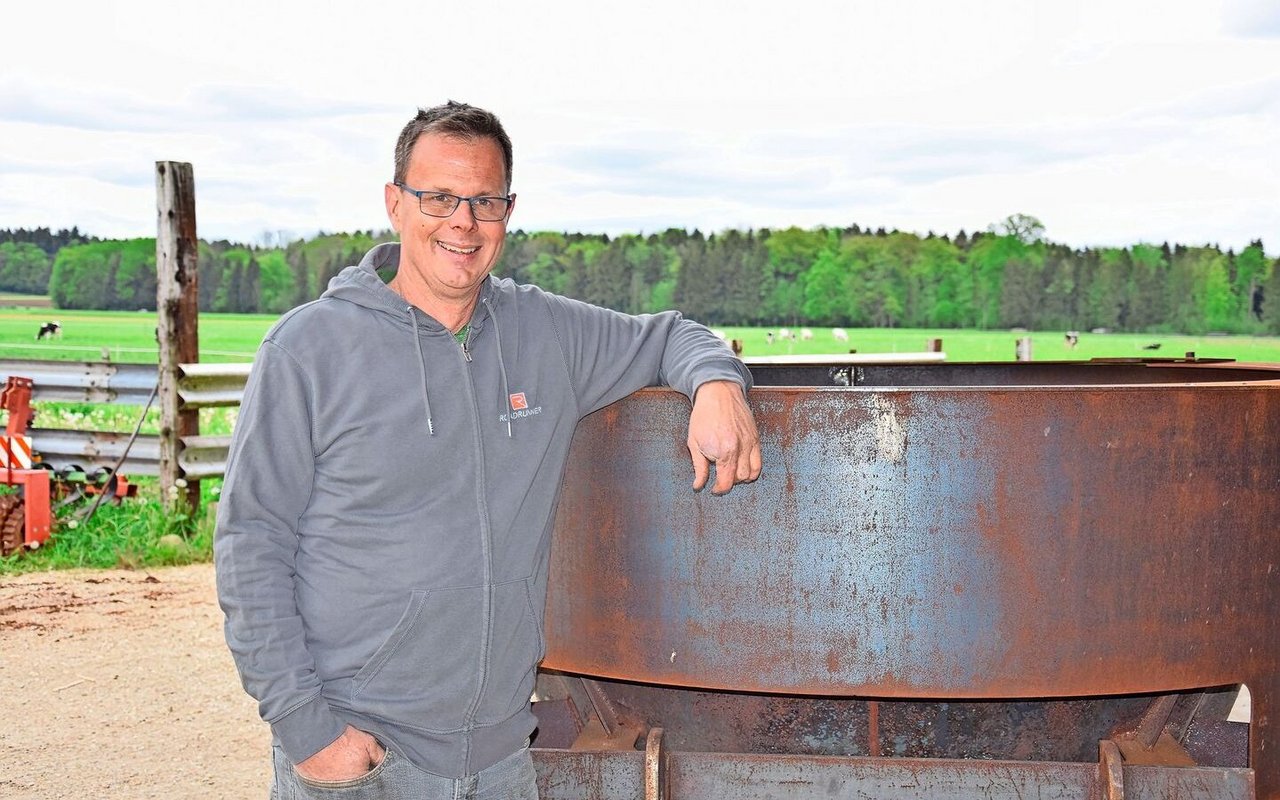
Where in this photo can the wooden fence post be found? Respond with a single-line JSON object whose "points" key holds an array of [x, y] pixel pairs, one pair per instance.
{"points": [[177, 310]]}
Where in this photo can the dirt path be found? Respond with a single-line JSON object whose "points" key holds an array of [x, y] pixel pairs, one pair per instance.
{"points": [[118, 685]]}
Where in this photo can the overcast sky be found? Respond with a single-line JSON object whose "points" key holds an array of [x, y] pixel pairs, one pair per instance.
{"points": [[1113, 121]]}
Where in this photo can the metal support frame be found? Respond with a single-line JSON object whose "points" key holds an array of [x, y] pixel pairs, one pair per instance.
{"points": [[1152, 739], [37, 514], [655, 766], [1110, 770], [16, 399], [682, 775], [33, 483]]}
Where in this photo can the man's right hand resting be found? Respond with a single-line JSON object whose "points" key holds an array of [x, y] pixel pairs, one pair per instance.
{"points": [[351, 755]]}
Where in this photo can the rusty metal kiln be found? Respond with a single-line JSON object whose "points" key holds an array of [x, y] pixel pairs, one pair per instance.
{"points": [[951, 580]]}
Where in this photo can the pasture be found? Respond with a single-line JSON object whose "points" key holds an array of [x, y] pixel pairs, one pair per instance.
{"points": [[130, 337]]}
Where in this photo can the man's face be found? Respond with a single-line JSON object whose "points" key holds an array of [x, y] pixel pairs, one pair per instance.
{"points": [[449, 257]]}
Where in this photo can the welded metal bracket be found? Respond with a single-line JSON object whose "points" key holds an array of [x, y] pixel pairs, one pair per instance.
{"points": [[1110, 770], [579, 715], [1154, 739], [655, 766]]}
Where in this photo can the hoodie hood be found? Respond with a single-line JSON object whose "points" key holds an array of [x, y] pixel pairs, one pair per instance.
{"points": [[362, 285]]}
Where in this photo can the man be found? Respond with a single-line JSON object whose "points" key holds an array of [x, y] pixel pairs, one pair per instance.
{"points": [[384, 529]]}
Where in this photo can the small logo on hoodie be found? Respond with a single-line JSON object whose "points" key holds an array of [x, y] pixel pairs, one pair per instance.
{"points": [[519, 407]]}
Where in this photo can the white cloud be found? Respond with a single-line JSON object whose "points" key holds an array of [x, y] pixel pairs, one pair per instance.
{"points": [[1109, 122], [1255, 18]]}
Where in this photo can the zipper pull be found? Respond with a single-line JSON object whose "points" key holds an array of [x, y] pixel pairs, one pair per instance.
{"points": [[465, 352]]}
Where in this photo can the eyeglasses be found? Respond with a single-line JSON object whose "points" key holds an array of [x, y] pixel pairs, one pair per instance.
{"points": [[443, 204]]}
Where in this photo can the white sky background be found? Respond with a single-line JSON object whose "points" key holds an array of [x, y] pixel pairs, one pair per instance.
{"points": [[1113, 121]]}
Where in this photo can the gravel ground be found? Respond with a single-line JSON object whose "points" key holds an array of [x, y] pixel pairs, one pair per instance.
{"points": [[117, 684]]}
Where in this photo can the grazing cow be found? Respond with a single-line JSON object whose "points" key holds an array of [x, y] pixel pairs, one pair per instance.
{"points": [[1072, 339], [768, 337], [840, 334], [806, 334], [784, 333], [50, 329], [1153, 346]]}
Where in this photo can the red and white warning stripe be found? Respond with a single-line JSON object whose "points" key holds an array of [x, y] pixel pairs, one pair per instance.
{"points": [[15, 452]]}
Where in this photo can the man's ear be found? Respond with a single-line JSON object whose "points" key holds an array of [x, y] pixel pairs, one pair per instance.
{"points": [[392, 196]]}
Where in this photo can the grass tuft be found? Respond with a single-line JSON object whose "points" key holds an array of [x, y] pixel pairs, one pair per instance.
{"points": [[137, 533]]}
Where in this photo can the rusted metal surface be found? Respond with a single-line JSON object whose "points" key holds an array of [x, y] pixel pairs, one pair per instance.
{"points": [[655, 766], [590, 775], [569, 775], [944, 539], [1053, 730], [1110, 771], [12, 523], [1150, 739], [1047, 373], [27, 517], [1049, 730]]}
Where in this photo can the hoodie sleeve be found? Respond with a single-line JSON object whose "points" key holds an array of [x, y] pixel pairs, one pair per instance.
{"points": [[609, 355], [269, 478]]}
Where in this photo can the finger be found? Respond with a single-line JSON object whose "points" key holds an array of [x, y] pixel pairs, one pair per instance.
{"points": [[757, 461], [744, 473], [726, 470], [701, 467]]}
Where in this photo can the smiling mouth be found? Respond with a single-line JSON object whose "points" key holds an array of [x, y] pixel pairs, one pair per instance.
{"points": [[462, 251]]}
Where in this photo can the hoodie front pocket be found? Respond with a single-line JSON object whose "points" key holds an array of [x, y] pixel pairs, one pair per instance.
{"points": [[514, 652], [424, 674]]}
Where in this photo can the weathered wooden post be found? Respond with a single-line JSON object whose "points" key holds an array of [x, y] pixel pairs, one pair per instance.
{"points": [[177, 310]]}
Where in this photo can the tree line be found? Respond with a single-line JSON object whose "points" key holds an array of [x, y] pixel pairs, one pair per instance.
{"points": [[1007, 276], [26, 256]]}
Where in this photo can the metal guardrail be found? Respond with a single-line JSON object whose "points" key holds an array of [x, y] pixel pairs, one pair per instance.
{"points": [[91, 449], [200, 386], [84, 381], [212, 385], [204, 456]]}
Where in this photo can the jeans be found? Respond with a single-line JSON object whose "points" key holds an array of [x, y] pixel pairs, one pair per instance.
{"points": [[512, 778]]}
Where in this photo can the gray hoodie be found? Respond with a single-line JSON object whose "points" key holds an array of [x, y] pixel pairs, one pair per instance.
{"points": [[384, 528]]}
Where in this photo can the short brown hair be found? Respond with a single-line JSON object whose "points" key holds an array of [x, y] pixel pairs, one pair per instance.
{"points": [[452, 119]]}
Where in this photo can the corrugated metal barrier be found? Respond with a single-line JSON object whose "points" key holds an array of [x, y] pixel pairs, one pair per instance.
{"points": [[201, 386]]}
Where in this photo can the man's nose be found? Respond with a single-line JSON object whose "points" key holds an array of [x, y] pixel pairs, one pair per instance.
{"points": [[462, 217]]}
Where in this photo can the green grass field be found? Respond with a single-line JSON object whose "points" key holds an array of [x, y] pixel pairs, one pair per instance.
{"points": [[131, 535], [129, 336]]}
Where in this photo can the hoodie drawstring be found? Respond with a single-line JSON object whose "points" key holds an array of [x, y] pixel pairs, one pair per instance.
{"points": [[422, 369], [502, 367]]}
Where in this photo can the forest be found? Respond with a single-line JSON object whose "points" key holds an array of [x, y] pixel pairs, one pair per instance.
{"points": [[1007, 276]]}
